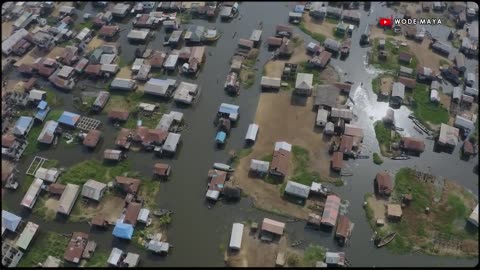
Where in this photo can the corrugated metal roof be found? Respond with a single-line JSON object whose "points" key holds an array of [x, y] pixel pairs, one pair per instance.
{"points": [[27, 235], [297, 189]]}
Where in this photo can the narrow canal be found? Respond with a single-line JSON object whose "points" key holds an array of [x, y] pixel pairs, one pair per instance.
{"points": [[196, 231]]}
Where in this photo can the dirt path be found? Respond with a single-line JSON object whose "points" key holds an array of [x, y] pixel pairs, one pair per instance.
{"points": [[314, 26], [378, 207], [7, 28], [125, 73], [300, 131], [274, 68]]}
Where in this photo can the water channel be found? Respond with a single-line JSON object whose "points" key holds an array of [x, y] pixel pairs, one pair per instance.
{"points": [[197, 231]]}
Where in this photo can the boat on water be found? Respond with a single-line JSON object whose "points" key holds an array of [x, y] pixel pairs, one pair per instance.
{"points": [[223, 167], [162, 212], [387, 239], [400, 157], [418, 129], [297, 243], [399, 129]]}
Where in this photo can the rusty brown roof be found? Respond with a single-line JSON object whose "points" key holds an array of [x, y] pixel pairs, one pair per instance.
{"points": [[161, 169], [8, 140], [93, 69], [119, 114], [133, 209], [108, 30], [75, 247], [280, 161], [413, 144], [337, 160], [410, 83], [129, 185], [384, 182], [56, 188], [343, 227], [92, 138], [346, 144]]}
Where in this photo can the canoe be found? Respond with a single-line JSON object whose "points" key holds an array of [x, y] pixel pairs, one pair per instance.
{"points": [[418, 129], [161, 212], [297, 243], [400, 157], [223, 167], [387, 239]]}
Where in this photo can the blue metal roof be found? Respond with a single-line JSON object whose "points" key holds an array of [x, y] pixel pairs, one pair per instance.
{"points": [[69, 118], [42, 105], [10, 221], [41, 114], [123, 230], [299, 8], [228, 108], [22, 124], [220, 137]]}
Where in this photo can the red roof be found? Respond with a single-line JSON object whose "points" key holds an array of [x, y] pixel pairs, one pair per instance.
{"points": [[93, 69], [56, 188], [161, 169], [346, 144], [273, 226], [118, 114], [98, 220], [274, 41], [109, 30], [122, 137], [133, 209], [75, 247], [404, 56], [467, 147], [129, 185], [28, 85], [343, 227], [92, 138], [284, 28], [217, 182], [280, 161], [413, 144], [45, 71], [24, 68], [155, 136], [8, 140], [337, 161], [384, 183], [409, 83], [352, 130], [330, 211]]}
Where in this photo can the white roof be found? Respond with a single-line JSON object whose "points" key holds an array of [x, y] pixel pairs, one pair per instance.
{"points": [[252, 132], [304, 81], [213, 194], [283, 145], [171, 61], [107, 58], [259, 165], [434, 96], [322, 116], [66, 9], [236, 236], [112, 68], [185, 92], [171, 142], [36, 94], [93, 189], [49, 175], [471, 91], [158, 86], [158, 246], [32, 193], [83, 33], [297, 189], [114, 256], [68, 198], [143, 215], [398, 90], [8, 43], [473, 218], [462, 122], [448, 135], [138, 34], [137, 64], [123, 83], [270, 81], [27, 235]]}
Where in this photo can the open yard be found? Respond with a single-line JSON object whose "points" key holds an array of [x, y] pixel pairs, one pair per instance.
{"points": [[318, 30], [274, 68], [385, 138], [426, 111], [300, 133], [38, 251], [392, 50], [442, 231]]}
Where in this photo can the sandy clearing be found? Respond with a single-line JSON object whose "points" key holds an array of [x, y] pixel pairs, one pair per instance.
{"points": [[125, 72], [56, 51], [95, 43], [379, 207], [56, 12], [7, 28], [52, 204], [274, 68], [300, 131], [322, 27]]}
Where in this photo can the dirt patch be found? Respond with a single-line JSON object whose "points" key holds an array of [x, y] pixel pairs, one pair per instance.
{"points": [[7, 28], [125, 73], [95, 43], [378, 208], [274, 68], [57, 51], [35, 53], [254, 252], [322, 27], [13, 86], [329, 75], [116, 102], [111, 208], [300, 131], [52, 204], [7, 166]]}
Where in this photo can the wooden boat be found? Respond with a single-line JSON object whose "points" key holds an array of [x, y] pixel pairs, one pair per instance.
{"points": [[362, 157], [418, 129], [387, 239], [297, 243], [400, 157], [398, 129], [223, 167], [162, 212]]}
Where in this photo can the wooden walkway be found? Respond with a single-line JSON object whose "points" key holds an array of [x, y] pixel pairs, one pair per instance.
{"points": [[37, 162], [88, 124]]}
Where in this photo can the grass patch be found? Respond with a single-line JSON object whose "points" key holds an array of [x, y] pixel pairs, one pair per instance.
{"points": [[384, 137], [267, 158], [42, 211], [456, 43], [302, 174], [405, 182], [38, 252], [332, 20], [53, 99], [80, 26], [122, 62], [247, 73], [305, 68], [185, 17], [313, 254], [392, 62], [99, 259], [33, 146], [93, 169], [376, 82], [425, 110], [443, 62], [338, 182], [297, 41], [241, 154], [377, 159], [337, 35], [317, 36]]}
